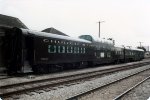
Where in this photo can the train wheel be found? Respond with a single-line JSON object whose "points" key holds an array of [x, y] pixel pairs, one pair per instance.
{"points": [[77, 65], [68, 66], [90, 64], [40, 69], [53, 68], [35, 69]]}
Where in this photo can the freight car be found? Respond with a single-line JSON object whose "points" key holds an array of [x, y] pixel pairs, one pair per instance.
{"points": [[45, 52]]}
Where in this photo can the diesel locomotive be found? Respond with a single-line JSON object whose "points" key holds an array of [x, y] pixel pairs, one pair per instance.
{"points": [[44, 52]]}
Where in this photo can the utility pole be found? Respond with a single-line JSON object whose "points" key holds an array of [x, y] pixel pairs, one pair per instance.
{"points": [[99, 26], [140, 44]]}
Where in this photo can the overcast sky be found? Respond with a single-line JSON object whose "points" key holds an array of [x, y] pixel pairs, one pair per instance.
{"points": [[127, 21]]}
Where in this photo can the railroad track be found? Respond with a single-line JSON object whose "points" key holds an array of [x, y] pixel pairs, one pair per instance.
{"points": [[5, 77], [21, 88], [130, 89], [118, 97]]}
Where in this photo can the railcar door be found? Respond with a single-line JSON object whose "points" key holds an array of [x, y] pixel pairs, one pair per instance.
{"points": [[13, 50], [1, 49]]}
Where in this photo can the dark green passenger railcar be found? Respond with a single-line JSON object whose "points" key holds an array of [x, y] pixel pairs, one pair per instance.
{"points": [[44, 52]]}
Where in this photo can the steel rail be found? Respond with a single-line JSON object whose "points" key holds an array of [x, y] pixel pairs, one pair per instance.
{"points": [[127, 91], [2, 78]]}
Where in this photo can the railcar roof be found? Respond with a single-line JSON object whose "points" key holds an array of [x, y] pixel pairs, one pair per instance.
{"points": [[56, 36], [132, 48], [119, 46], [135, 49], [96, 39]]}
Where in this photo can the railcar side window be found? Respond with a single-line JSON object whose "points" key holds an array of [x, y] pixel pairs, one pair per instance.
{"points": [[51, 49], [116, 52], [61, 49], [69, 49], [78, 51], [108, 55], [102, 54], [83, 50], [75, 49]]}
